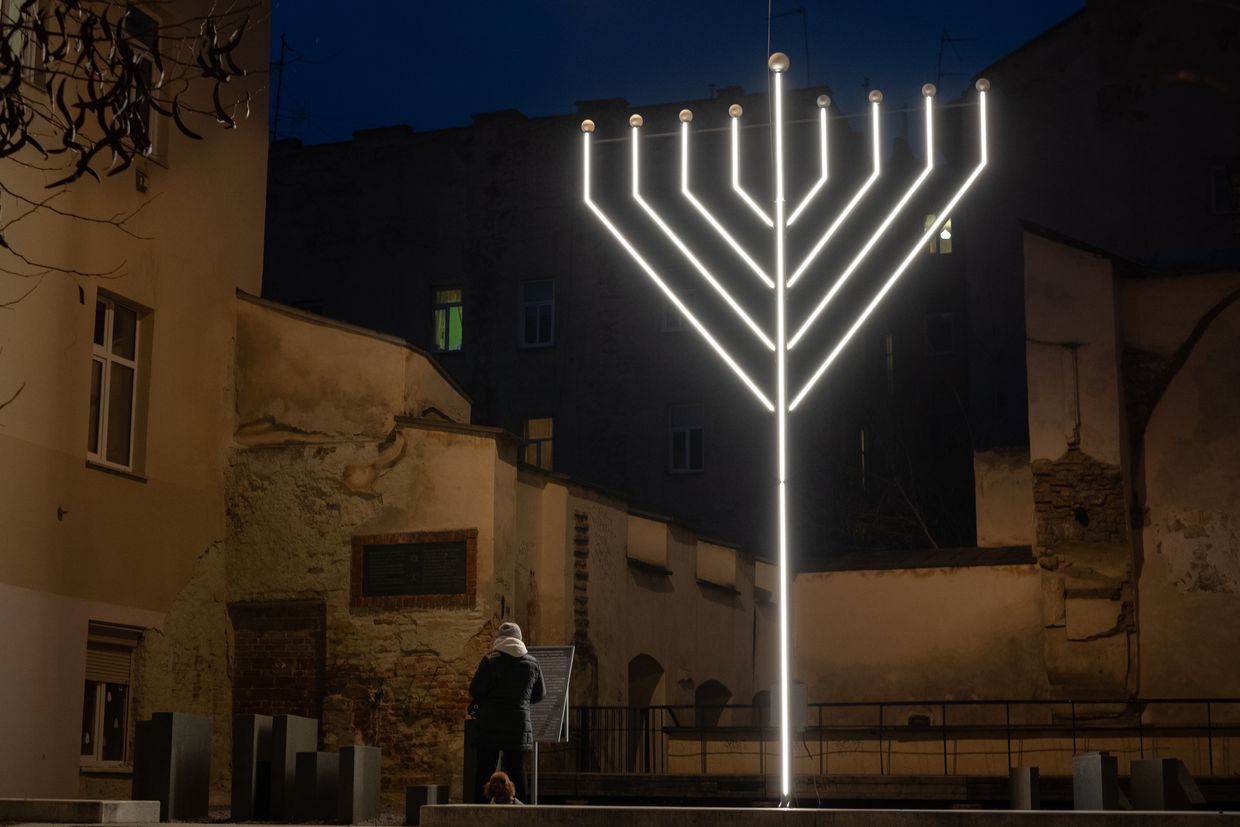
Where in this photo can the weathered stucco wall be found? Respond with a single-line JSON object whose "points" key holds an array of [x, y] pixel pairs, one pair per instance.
{"points": [[393, 678], [1079, 456], [84, 544], [1190, 577], [1073, 361], [697, 631], [308, 475], [1003, 485], [950, 633], [304, 374]]}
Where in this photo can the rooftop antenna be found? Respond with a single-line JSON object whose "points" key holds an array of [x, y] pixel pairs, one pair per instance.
{"points": [[804, 35], [945, 40]]}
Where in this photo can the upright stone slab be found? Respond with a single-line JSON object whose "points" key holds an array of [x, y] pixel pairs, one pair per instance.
{"points": [[251, 768], [1164, 784], [290, 734], [417, 797], [469, 775], [172, 764], [358, 793], [1095, 782], [317, 785], [1024, 788]]}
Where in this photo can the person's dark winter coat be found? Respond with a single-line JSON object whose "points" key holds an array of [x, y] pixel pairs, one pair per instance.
{"points": [[508, 680]]}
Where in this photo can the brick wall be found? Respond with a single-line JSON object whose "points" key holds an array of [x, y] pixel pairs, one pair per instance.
{"points": [[1078, 499], [279, 655], [584, 680]]}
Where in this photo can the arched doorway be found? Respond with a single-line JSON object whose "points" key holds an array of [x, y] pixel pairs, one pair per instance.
{"points": [[644, 725], [709, 700]]}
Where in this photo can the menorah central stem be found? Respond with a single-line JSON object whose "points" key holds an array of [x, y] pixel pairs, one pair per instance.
{"points": [[778, 66]]}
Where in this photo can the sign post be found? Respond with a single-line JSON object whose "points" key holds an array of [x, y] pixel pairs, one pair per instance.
{"points": [[550, 715]]}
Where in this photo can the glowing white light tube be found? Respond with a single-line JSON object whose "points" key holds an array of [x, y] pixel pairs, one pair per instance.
{"points": [[943, 214], [856, 199], [671, 296], [781, 416], [710, 219], [736, 175], [667, 231], [882, 228], [822, 178]]}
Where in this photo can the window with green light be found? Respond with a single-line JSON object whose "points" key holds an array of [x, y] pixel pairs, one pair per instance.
{"points": [[447, 312]]}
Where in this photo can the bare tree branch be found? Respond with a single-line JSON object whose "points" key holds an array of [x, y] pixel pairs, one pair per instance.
{"points": [[8, 305], [16, 394]]}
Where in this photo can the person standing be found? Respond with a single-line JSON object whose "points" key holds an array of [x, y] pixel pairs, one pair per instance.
{"points": [[508, 680]]}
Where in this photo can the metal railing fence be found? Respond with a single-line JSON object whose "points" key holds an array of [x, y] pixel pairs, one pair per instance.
{"points": [[941, 737]]}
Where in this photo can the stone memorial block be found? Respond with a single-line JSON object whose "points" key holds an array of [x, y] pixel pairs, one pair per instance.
{"points": [[469, 775], [358, 791], [251, 775], [416, 797], [172, 764], [1164, 784], [1095, 782], [290, 734], [1024, 788], [317, 784]]}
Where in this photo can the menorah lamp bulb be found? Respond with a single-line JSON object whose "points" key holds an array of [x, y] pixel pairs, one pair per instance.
{"points": [[635, 121], [686, 116], [587, 125], [876, 96], [823, 101], [735, 111], [778, 62], [982, 85], [929, 90]]}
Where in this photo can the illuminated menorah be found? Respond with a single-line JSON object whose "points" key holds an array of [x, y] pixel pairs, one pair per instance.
{"points": [[780, 283]]}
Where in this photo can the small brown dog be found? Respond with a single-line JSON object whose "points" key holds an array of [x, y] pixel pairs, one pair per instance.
{"points": [[500, 789]]}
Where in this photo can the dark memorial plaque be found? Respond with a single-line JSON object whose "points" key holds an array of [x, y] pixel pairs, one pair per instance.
{"points": [[398, 569], [550, 715]]}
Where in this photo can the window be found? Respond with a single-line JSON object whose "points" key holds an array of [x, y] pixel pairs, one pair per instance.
{"points": [[939, 334], [673, 320], [940, 242], [105, 701], [15, 34], [538, 313], [143, 33], [687, 437], [447, 312], [536, 444], [1222, 190], [113, 383]]}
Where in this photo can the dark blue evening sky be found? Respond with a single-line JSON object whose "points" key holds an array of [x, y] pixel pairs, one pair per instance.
{"points": [[431, 65]]}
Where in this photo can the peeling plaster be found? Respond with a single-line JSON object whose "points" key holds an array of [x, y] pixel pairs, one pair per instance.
{"points": [[1202, 549]]}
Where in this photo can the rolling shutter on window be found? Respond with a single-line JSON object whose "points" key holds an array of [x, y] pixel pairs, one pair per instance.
{"points": [[109, 664], [109, 652]]}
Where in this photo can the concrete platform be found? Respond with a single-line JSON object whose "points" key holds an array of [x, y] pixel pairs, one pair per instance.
{"points": [[474, 815], [77, 811]]}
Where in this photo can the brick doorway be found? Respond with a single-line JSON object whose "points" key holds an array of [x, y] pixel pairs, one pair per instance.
{"points": [[279, 649]]}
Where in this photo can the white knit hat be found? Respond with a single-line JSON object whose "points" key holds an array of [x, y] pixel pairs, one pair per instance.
{"points": [[510, 629]]}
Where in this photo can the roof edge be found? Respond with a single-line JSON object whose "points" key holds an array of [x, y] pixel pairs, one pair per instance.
{"points": [[336, 324]]}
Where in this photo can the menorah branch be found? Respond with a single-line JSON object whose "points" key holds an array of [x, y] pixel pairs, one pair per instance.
{"points": [[635, 126], [875, 98], [943, 214], [685, 118], [587, 128], [928, 91]]}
